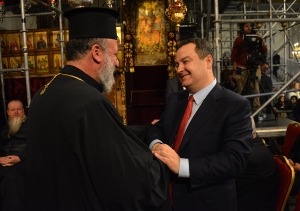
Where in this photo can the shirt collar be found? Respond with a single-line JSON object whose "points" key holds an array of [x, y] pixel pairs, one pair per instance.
{"points": [[201, 94]]}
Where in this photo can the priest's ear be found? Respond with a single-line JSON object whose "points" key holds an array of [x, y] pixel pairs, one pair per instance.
{"points": [[97, 53]]}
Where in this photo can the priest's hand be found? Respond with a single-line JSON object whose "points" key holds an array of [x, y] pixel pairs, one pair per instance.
{"points": [[168, 156], [14, 159], [5, 161]]}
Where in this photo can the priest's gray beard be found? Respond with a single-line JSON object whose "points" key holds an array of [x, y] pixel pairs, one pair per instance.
{"points": [[15, 124], [106, 75]]}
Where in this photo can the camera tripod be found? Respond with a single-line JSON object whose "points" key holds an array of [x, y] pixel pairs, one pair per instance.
{"points": [[248, 90]]}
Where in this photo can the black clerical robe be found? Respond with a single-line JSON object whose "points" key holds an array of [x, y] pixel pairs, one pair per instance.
{"points": [[81, 156]]}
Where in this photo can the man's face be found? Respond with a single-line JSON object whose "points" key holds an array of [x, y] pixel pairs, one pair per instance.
{"points": [[247, 28], [15, 110], [106, 71], [264, 68], [233, 76], [193, 73]]}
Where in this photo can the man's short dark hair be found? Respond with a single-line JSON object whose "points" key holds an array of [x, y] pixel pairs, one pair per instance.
{"points": [[265, 63], [202, 48]]}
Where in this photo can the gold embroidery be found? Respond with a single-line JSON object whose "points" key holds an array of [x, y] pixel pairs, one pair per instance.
{"points": [[72, 76]]}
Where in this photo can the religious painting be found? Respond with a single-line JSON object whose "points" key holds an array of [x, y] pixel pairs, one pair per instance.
{"points": [[3, 42], [14, 41], [41, 40], [42, 65], [67, 36], [56, 40], [31, 64], [4, 63], [29, 42], [120, 37], [150, 38], [15, 62], [120, 56], [57, 63]]}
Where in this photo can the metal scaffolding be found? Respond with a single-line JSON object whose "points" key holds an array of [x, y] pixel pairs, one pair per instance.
{"points": [[268, 24], [25, 67]]}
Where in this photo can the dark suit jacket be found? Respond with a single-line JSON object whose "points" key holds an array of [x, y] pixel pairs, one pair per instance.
{"points": [[217, 143], [257, 187], [173, 85]]}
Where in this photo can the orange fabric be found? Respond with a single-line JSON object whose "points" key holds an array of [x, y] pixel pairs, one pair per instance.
{"points": [[293, 130]]}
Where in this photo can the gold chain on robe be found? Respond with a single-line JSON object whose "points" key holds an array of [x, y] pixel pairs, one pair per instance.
{"points": [[72, 76]]}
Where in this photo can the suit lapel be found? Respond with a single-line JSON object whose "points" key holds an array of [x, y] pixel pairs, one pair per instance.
{"points": [[179, 111], [207, 108]]}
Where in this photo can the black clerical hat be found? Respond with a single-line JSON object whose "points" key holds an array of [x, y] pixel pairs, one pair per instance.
{"points": [[92, 22]]}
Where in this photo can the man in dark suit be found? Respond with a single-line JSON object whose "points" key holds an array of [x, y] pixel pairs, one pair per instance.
{"points": [[173, 85], [266, 84], [257, 187], [217, 141]]}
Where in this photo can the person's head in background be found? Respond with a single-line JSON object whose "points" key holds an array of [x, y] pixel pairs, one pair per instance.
{"points": [[247, 28], [16, 115], [293, 100], [295, 85], [264, 68], [232, 75]]}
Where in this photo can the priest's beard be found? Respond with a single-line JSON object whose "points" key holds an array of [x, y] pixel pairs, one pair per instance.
{"points": [[106, 75], [15, 124]]}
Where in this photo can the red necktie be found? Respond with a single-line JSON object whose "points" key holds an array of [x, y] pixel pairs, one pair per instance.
{"points": [[180, 133], [184, 120]]}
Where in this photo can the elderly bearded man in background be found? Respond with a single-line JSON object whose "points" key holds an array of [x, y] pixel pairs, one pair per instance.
{"points": [[12, 158]]}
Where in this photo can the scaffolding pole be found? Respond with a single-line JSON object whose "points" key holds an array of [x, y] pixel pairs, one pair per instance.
{"points": [[25, 51]]}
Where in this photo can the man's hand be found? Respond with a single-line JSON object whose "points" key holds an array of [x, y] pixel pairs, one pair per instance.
{"points": [[168, 156], [291, 162], [296, 167], [154, 121], [14, 159], [5, 161], [9, 160]]}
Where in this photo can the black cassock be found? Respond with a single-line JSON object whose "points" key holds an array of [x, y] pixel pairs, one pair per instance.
{"points": [[81, 156]]}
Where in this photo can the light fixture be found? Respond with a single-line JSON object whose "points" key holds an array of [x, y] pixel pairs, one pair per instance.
{"points": [[52, 3], [296, 50], [80, 3], [176, 12], [110, 3], [284, 24], [258, 25]]}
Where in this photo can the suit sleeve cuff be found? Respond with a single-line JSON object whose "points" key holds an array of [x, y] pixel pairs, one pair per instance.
{"points": [[154, 142]]}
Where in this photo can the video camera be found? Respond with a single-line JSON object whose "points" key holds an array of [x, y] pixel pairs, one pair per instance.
{"points": [[255, 57]]}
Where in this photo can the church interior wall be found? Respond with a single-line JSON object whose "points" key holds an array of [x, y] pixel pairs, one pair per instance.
{"points": [[138, 85]]}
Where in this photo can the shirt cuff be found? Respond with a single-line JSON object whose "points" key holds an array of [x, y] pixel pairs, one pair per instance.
{"points": [[154, 142], [184, 168]]}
